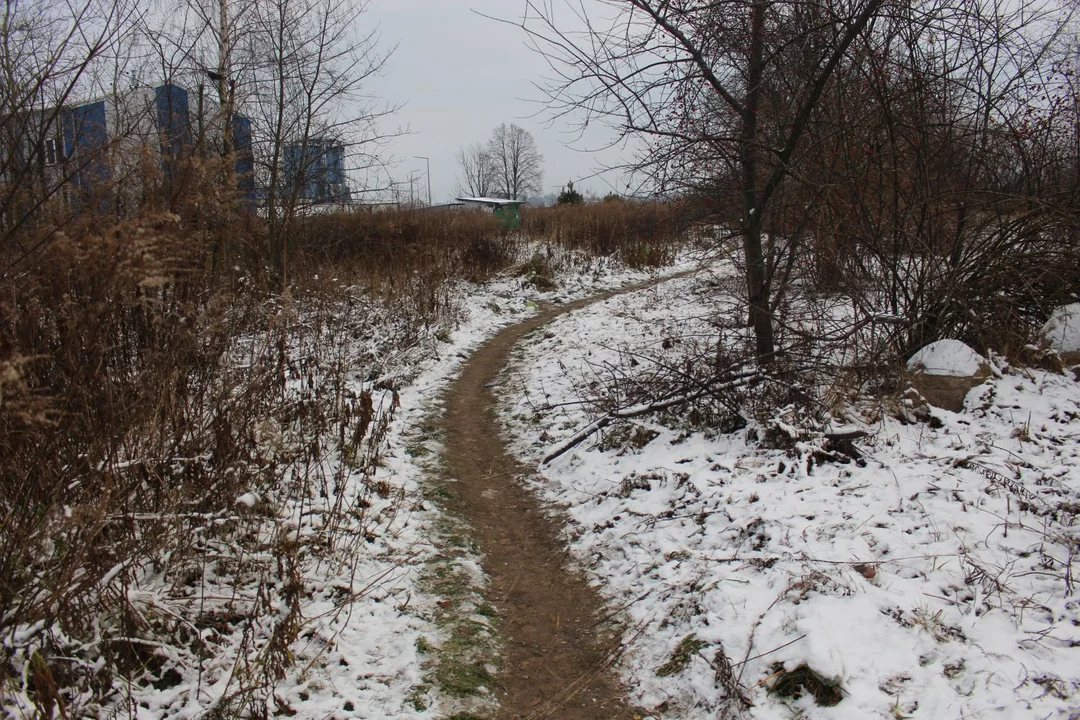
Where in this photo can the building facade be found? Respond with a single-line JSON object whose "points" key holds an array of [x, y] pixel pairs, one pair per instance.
{"points": [[95, 154], [315, 171]]}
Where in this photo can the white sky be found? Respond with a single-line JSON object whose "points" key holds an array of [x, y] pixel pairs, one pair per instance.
{"points": [[459, 75]]}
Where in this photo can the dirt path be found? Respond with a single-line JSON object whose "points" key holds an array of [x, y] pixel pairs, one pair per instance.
{"points": [[557, 660]]}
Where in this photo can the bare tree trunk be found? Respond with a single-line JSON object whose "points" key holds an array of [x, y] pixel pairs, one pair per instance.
{"points": [[756, 287], [225, 94]]}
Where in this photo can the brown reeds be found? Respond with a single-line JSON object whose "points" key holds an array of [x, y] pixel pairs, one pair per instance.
{"points": [[640, 234], [154, 370], [392, 242]]}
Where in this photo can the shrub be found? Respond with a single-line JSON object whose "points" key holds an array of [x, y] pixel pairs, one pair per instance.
{"points": [[570, 196]]}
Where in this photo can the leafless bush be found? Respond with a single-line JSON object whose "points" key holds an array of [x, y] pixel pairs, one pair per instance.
{"points": [[937, 192], [993, 290], [143, 393]]}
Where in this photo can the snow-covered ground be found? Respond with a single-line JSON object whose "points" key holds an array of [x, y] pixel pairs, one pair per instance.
{"points": [[356, 534], [934, 577], [385, 639]]}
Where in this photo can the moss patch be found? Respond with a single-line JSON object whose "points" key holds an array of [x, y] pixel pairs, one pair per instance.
{"points": [[463, 661], [680, 657], [460, 679], [792, 684]]}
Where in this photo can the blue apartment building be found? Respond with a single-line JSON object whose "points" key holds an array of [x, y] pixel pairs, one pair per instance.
{"points": [[87, 147], [315, 170]]}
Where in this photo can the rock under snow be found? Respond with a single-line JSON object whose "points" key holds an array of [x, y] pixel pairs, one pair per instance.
{"points": [[946, 357], [247, 500], [1062, 333], [944, 371]]}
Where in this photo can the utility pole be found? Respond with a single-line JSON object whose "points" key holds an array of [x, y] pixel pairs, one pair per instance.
{"points": [[428, 161]]}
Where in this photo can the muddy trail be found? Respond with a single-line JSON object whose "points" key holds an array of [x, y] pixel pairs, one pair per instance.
{"points": [[558, 653]]}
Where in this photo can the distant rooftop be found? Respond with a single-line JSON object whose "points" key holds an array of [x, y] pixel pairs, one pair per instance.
{"points": [[490, 201]]}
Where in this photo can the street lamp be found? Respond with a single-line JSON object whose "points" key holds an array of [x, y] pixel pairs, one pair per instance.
{"points": [[428, 161]]}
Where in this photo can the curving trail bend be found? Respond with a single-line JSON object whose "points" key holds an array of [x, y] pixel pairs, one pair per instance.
{"points": [[557, 660]]}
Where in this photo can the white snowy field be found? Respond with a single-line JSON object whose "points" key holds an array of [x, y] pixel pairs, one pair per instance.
{"points": [[359, 532], [934, 578]]}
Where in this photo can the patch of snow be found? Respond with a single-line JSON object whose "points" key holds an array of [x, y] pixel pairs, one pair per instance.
{"points": [[951, 358], [934, 578], [248, 500], [1062, 330]]}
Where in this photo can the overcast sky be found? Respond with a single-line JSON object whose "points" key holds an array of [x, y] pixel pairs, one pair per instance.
{"points": [[458, 75]]}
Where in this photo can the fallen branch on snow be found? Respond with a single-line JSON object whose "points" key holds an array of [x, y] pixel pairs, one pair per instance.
{"points": [[728, 383]]}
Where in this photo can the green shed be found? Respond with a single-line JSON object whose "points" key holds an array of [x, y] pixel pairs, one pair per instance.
{"points": [[508, 211]]}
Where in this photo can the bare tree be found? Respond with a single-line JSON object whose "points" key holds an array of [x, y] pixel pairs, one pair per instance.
{"points": [[306, 95], [799, 108], [518, 166], [298, 70], [708, 85], [210, 41], [477, 170]]}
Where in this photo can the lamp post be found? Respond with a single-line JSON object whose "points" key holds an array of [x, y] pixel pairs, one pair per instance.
{"points": [[428, 161]]}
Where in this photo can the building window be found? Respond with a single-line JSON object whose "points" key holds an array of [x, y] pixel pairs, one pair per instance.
{"points": [[52, 151]]}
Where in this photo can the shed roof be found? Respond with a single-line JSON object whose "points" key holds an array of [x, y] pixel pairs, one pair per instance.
{"points": [[490, 201]]}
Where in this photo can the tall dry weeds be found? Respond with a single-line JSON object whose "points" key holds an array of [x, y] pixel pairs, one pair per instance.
{"points": [[151, 375], [164, 402], [640, 234]]}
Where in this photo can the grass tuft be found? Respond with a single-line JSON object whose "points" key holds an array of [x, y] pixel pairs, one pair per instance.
{"points": [[680, 657]]}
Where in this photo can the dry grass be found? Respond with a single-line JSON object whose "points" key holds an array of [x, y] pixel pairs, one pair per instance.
{"points": [[641, 234], [392, 243], [153, 370]]}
